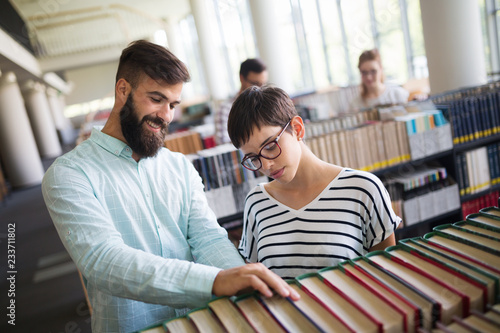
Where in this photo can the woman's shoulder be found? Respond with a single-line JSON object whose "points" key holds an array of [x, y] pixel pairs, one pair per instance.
{"points": [[256, 193], [359, 176], [396, 91]]}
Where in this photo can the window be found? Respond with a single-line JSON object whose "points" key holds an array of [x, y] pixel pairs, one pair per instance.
{"points": [[391, 40], [359, 34], [235, 24], [189, 37]]}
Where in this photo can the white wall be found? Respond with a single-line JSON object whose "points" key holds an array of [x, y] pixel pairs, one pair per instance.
{"points": [[90, 83]]}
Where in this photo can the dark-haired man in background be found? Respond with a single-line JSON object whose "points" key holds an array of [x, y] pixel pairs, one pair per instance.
{"points": [[133, 215], [253, 72]]}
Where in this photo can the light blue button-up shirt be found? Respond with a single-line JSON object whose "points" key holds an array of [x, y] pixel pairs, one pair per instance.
{"points": [[141, 233]]}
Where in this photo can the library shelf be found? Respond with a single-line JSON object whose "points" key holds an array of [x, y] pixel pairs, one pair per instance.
{"points": [[476, 143], [419, 227], [408, 165], [476, 195]]}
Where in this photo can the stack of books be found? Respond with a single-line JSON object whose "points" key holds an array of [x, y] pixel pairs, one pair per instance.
{"points": [[328, 103], [186, 142], [428, 133], [226, 181], [424, 193], [478, 169], [447, 280], [365, 143]]}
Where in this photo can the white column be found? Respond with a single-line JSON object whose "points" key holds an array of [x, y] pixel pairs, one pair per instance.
{"points": [[453, 44], [173, 41], [63, 125], [212, 62], [41, 120], [269, 42], [18, 148]]}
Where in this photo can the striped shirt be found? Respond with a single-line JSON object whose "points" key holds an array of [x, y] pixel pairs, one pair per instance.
{"points": [[352, 214]]}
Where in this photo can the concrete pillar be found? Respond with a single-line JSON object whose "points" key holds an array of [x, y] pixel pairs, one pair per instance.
{"points": [[210, 58], [18, 148], [269, 43], [173, 41], [453, 44], [41, 120], [63, 125]]}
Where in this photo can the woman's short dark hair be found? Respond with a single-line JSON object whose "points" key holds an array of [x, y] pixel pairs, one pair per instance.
{"points": [[257, 107], [143, 57]]}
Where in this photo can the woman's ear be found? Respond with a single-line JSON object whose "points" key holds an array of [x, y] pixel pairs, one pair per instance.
{"points": [[298, 127]]}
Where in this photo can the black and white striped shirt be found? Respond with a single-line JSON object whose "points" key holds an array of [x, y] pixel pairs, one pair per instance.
{"points": [[352, 214]]}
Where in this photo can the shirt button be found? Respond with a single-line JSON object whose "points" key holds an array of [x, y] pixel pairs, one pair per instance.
{"points": [[147, 195], [158, 226]]}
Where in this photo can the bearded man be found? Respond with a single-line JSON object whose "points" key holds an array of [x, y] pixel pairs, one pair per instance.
{"points": [[133, 215]]}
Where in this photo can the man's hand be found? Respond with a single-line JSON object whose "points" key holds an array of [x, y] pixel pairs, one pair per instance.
{"points": [[231, 281]]}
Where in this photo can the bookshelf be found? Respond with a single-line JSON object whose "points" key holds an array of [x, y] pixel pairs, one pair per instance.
{"points": [[474, 113], [434, 138]]}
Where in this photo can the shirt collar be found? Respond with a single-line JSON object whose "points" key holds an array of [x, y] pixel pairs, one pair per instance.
{"points": [[111, 144]]}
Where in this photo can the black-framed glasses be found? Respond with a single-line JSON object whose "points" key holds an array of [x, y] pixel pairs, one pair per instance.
{"points": [[270, 151]]}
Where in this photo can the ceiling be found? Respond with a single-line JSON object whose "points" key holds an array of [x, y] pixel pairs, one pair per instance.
{"points": [[69, 33]]}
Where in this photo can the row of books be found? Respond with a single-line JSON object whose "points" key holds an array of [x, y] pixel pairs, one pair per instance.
{"points": [[226, 181], [186, 142], [419, 176], [375, 145], [478, 169], [428, 133], [425, 193], [473, 112], [445, 280], [487, 200], [371, 146], [328, 103]]}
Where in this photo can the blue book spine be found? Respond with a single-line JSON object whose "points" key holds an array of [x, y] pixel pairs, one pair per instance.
{"points": [[465, 122], [486, 115], [472, 116], [465, 169], [204, 171], [455, 126], [460, 175], [491, 162], [495, 113], [482, 115], [496, 156], [489, 113]]}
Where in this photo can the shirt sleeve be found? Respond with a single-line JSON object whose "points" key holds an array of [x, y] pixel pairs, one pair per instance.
{"points": [[99, 252], [383, 219], [248, 244]]}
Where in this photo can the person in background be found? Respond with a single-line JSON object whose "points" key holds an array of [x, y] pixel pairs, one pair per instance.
{"points": [[312, 214], [133, 215], [373, 89], [253, 72]]}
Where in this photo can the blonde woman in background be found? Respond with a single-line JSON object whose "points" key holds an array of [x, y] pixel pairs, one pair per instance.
{"points": [[373, 89]]}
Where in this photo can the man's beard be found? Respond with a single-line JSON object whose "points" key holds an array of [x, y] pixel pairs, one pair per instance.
{"points": [[143, 142]]}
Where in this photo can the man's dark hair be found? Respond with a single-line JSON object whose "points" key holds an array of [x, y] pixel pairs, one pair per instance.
{"points": [[257, 107], [143, 57], [252, 65]]}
